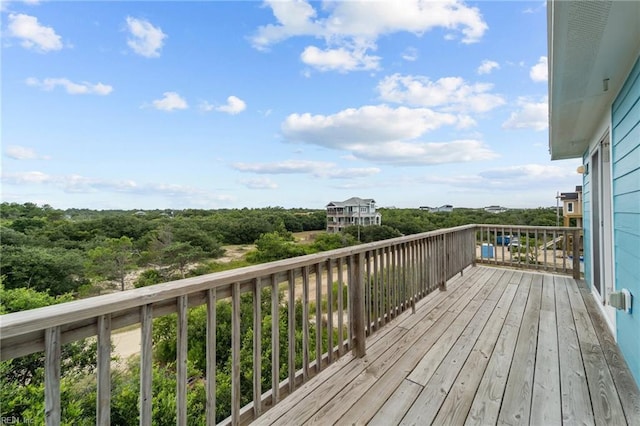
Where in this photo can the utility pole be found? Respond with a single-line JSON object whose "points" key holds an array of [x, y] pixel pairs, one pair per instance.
{"points": [[557, 209], [358, 222]]}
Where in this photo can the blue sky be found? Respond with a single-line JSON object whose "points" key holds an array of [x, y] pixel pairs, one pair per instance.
{"points": [[153, 104]]}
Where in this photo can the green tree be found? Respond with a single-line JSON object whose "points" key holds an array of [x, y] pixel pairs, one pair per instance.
{"points": [[273, 246], [112, 259], [53, 270]]}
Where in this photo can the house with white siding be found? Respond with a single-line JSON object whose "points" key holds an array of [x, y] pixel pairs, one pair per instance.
{"points": [[594, 115], [354, 211]]}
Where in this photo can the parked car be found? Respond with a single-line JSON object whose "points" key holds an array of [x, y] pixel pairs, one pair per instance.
{"points": [[503, 240], [514, 243]]}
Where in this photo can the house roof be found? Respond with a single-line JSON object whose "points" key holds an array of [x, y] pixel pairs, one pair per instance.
{"points": [[353, 201], [569, 195], [589, 42]]}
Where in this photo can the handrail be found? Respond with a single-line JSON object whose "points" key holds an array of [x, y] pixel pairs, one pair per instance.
{"points": [[380, 279]]}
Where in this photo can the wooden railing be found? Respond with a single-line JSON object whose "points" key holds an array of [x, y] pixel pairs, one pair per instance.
{"points": [[551, 249], [378, 280]]}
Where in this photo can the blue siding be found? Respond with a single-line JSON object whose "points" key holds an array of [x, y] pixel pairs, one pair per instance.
{"points": [[625, 138]]}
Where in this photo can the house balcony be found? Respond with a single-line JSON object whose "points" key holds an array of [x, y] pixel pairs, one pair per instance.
{"points": [[444, 327]]}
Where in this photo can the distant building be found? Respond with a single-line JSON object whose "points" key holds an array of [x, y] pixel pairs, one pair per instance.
{"points": [[447, 208], [572, 206], [495, 209], [353, 211]]}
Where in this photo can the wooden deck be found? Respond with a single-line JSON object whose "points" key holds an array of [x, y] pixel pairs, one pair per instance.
{"points": [[498, 347]]}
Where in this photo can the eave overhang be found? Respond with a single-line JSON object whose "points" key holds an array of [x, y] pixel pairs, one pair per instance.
{"points": [[589, 42]]}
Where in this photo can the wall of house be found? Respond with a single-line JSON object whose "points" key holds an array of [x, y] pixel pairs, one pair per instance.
{"points": [[625, 139]]}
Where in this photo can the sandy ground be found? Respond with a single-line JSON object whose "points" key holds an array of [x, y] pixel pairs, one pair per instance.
{"points": [[127, 341]]}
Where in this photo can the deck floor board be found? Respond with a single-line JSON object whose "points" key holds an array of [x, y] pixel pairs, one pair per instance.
{"points": [[498, 347]]}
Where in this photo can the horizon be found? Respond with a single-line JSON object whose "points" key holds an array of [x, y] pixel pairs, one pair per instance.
{"points": [[228, 105]]}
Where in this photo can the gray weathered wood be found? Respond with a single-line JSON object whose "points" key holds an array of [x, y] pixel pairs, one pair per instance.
{"points": [[318, 273], [575, 399], [607, 408], [341, 349], [257, 348], [291, 327], [52, 376], [486, 404], [275, 341], [358, 308], [627, 388], [181, 362], [235, 354], [330, 343], [146, 364], [103, 400], [546, 402], [305, 323], [211, 357], [516, 405]]}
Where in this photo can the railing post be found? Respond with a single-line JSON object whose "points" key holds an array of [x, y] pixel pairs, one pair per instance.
{"points": [[358, 318], [445, 261], [52, 376], [576, 254]]}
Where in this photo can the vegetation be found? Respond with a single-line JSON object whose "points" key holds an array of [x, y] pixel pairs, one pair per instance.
{"points": [[52, 256]]}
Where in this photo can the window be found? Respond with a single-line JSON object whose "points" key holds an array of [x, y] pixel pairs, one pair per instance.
{"points": [[569, 207]]}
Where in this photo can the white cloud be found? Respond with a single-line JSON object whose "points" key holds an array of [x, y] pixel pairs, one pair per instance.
{"points": [[539, 72], [206, 106], [534, 172], [83, 88], [84, 184], [23, 153], [33, 35], [259, 183], [530, 115], [410, 54], [510, 178], [171, 101], [447, 93], [233, 106], [146, 40], [487, 66], [350, 29], [341, 59], [385, 135], [425, 153], [317, 169], [365, 125]]}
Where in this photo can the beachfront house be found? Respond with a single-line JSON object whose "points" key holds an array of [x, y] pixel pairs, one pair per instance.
{"points": [[354, 211]]}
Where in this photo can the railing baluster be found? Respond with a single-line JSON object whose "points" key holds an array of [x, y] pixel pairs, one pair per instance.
{"points": [[146, 364], [340, 308], [378, 289], [292, 331], [52, 376], [330, 310], [369, 295], [305, 323], [211, 357], [235, 353], [356, 299], [181, 362], [103, 400], [576, 254], [257, 347], [318, 268], [275, 341], [350, 280]]}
